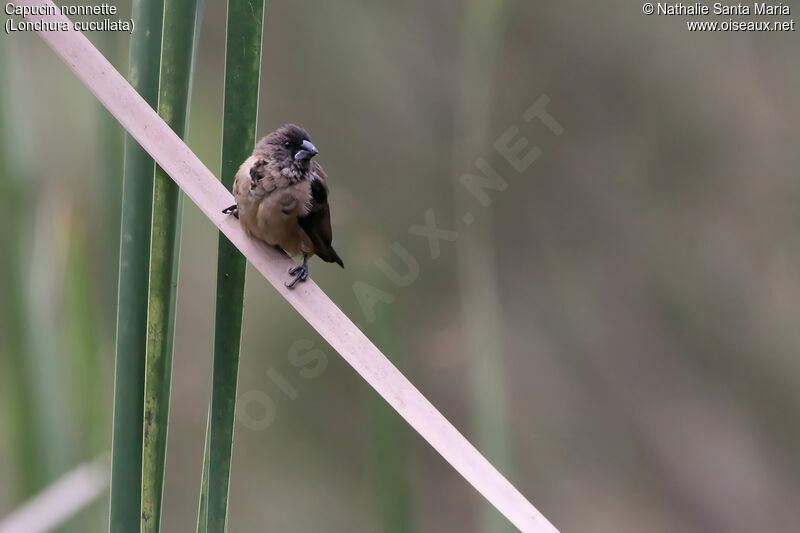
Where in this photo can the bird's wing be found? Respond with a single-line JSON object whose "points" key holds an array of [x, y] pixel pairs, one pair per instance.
{"points": [[241, 182], [317, 224]]}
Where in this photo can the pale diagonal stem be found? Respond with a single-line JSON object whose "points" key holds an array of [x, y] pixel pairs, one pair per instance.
{"points": [[314, 306]]}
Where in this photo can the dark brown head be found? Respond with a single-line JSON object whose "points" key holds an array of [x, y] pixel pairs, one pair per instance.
{"points": [[288, 148]]}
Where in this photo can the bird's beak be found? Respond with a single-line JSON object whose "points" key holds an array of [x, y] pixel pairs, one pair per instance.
{"points": [[307, 152]]}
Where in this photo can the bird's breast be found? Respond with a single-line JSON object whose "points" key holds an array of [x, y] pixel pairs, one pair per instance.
{"points": [[272, 215]]}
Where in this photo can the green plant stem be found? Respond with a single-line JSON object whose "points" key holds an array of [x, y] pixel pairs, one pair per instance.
{"points": [[242, 71], [389, 443], [202, 513], [13, 307], [137, 202], [111, 139], [81, 336], [28, 449], [481, 314], [29, 268], [177, 52]]}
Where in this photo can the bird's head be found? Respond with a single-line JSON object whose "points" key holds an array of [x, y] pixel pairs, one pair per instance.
{"points": [[290, 147]]}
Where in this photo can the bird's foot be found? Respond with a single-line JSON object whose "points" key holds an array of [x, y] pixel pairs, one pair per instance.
{"points": [[232, 210], [300, 273]]}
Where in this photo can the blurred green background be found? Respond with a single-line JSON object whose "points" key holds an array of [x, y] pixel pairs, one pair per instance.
{"points": [[617, 330]]}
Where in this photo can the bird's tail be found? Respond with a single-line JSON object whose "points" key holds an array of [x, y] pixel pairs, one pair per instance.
{"points": [[330, 256]]}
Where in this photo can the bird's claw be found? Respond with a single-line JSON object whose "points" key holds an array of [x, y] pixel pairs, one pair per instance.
{"points": [[232, 210], [300, 273]]}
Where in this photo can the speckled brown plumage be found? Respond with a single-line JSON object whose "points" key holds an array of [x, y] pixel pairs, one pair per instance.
{"points": [[282, 197]]}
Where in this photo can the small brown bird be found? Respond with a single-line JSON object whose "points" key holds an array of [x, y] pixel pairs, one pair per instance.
{"points": [[282, 198]]}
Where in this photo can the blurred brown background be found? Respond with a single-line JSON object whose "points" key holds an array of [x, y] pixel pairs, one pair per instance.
{"points": [[617, 330]]}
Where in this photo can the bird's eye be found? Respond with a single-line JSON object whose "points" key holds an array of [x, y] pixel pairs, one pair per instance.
{"points": [[287, 144]]}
